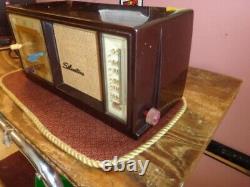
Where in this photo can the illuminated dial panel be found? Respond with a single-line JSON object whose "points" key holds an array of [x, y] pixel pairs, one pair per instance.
{"points": [[115, 66]]}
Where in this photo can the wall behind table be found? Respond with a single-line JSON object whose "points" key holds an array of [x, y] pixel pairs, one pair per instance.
{"points": [[221, 43]]}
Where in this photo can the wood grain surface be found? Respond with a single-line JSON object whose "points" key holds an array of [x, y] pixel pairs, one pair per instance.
{"points": [[208, 95]]}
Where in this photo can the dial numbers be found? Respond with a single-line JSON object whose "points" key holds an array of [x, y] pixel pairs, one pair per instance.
{"points": [[115, 60]]}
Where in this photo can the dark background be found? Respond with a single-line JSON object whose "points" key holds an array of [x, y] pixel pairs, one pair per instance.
{"points": [[4, 26]]}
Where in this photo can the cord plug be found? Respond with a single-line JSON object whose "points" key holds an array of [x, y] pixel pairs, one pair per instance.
{"points": [[16, 46]]}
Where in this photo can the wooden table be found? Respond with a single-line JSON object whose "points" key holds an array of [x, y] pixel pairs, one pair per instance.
{"points": [[208, 95]]}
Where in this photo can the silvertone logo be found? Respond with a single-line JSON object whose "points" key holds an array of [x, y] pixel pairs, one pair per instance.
{"points": [[68, 66]]}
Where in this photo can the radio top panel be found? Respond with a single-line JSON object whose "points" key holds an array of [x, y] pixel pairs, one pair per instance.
{"points": [[124, 16]]}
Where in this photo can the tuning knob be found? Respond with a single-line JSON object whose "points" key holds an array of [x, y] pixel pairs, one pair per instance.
{"points": [[153, 116]]}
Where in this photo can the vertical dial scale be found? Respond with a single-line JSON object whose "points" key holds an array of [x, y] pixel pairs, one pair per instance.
{"points": [[115, 67]]}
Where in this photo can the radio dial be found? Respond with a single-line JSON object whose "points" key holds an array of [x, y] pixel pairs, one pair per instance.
{"points": [[114, 82], [115, 55]]}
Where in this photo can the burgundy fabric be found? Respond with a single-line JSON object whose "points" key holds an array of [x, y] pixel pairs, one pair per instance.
{"points": [[15, 171], [72, 125]]}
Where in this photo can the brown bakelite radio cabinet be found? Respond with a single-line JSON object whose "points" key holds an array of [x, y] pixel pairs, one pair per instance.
{"points": [[125, 65]]}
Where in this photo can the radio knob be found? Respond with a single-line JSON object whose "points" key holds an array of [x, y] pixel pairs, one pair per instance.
{"points": [[153, 116]]}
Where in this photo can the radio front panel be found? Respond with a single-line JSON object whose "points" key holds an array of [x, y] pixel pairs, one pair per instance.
{"points": [[80, 65], [29, 33]]}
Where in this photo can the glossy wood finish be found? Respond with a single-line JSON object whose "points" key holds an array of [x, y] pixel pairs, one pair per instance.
{"points": [[208, 95]]}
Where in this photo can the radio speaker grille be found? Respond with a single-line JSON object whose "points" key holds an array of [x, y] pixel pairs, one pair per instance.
{"points": [[79, 59]]}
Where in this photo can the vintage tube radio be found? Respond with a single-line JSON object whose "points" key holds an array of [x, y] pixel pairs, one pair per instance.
{"points": [[124, 65]]}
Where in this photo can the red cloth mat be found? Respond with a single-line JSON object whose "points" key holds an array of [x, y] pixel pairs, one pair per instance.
{"points": [[72, 125]]}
